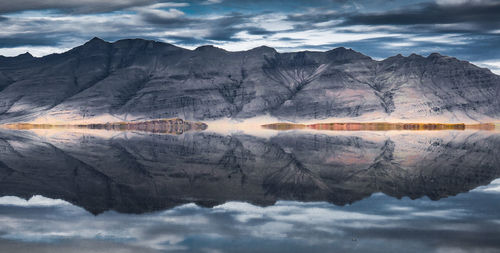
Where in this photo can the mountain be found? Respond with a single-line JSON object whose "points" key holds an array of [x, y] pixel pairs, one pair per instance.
{"points": [[137, 79], [140, 172]]}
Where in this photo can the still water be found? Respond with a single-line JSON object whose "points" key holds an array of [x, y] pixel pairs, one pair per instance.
{"points": [[292, 191]]}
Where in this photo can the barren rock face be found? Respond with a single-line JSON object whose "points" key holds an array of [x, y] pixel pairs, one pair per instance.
{"points": [[140, 80]]}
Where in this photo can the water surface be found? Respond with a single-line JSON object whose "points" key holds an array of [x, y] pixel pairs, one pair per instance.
{"points": [[293, 191]]}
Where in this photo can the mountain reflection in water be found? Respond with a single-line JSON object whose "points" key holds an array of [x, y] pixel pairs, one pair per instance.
{"points": [[158, 176]]}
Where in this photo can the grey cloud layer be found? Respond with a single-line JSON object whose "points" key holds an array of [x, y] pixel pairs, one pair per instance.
{"points": [[471, 17], [220, 29], [73, 6]]}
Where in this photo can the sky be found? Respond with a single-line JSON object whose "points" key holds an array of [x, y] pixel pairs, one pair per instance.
{"points": [[466, 29]]}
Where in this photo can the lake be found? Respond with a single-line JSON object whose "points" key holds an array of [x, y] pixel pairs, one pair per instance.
{"points": [[94, 190]]}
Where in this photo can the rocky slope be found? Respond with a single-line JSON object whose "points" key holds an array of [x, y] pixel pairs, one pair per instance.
{"points": [[139, 80]]}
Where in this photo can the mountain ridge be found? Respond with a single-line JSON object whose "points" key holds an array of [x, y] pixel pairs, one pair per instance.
{"points": [[136, 79], [27, 54]]}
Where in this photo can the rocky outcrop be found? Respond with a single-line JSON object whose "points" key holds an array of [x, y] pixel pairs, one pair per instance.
{"points": [[168, 126], [142, 80]]}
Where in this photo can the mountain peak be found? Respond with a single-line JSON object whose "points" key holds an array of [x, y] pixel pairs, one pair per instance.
{"points": [[208, 48], [93, 44], [339, 49], [414, 55], [25, 55], [434, 55], [96, 41], [262, 49], [346, 54], [397, 57]]}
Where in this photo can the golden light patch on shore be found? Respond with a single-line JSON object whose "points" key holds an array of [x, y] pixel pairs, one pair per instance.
{"points": [[378, 126]]}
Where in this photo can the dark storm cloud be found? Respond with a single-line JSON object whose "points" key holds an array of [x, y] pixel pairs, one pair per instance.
{"points": [[467, 17], [314, 17], [482, 16], [218, 29], [258, 31], [168, 22], [72, 6], [288, 39], [224, 29]]}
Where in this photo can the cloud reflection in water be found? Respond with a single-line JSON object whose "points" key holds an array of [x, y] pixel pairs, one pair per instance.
{"points": [[467, 222]]}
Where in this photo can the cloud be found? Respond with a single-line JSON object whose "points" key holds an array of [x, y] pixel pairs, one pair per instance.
{"points": [[224, 28], [218, 28], [480, 17], [166, 19], [170, 16], [61, 32], [315, 16], [460, 2], [33, 201], [168, 5], [258, 31], [494, 186], [494, 66], [71, 6], [208, 2], [470, 16]]}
